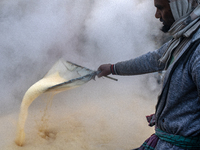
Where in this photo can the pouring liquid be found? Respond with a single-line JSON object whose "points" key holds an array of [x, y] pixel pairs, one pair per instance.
{"points": [[32, 93]]}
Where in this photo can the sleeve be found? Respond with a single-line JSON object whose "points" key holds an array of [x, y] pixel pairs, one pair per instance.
{"points": [[195, 68], [146, 63]]}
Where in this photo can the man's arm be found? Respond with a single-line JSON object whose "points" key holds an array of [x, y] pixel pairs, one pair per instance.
{"points": [[146, 63]]}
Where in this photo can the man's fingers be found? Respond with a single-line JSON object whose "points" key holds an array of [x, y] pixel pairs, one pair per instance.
{"points": [[105, 70]]}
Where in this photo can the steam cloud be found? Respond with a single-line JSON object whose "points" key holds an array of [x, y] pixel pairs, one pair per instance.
{"points": [[35, 34]]}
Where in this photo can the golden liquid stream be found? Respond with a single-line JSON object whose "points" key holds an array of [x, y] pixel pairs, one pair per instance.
{"points": [[31, 94]]}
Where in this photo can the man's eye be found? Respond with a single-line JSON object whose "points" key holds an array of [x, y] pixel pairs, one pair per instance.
{"points": [[160, 8]]}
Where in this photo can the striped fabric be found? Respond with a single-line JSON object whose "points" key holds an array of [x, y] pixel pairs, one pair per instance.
{"points": [[187, 20], [150, 143]]}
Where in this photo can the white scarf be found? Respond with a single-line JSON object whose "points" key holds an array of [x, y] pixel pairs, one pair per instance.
{"points": [[186, 14]]}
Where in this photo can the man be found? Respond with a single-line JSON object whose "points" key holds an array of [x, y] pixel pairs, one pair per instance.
{"points": [[177, 115]]}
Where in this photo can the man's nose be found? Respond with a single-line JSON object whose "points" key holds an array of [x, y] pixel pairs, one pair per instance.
{"points": [[157, 14]]}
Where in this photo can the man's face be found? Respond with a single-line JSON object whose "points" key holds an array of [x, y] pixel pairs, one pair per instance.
{"points": [[163, 12]]}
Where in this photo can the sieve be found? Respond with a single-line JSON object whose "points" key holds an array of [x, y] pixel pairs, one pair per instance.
{"points": [[75, 75]]}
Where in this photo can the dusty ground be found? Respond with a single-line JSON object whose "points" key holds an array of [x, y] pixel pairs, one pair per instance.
{"points": [[89, 126]]}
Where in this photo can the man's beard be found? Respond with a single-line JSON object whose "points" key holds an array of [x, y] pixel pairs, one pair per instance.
{"points": [[165, 28]]}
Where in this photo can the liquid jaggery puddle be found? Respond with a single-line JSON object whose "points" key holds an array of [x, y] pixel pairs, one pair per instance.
{"points": [[31, 94], [47, 135]]}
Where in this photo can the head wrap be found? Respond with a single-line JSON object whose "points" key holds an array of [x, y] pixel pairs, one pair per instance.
{"points": [[186, 14]]}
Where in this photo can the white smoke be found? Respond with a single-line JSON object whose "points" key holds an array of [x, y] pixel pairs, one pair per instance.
{"points": [[35, 34]]}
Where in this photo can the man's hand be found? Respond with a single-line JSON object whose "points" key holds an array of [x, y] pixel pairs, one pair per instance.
{"points": [[105, 70]]}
